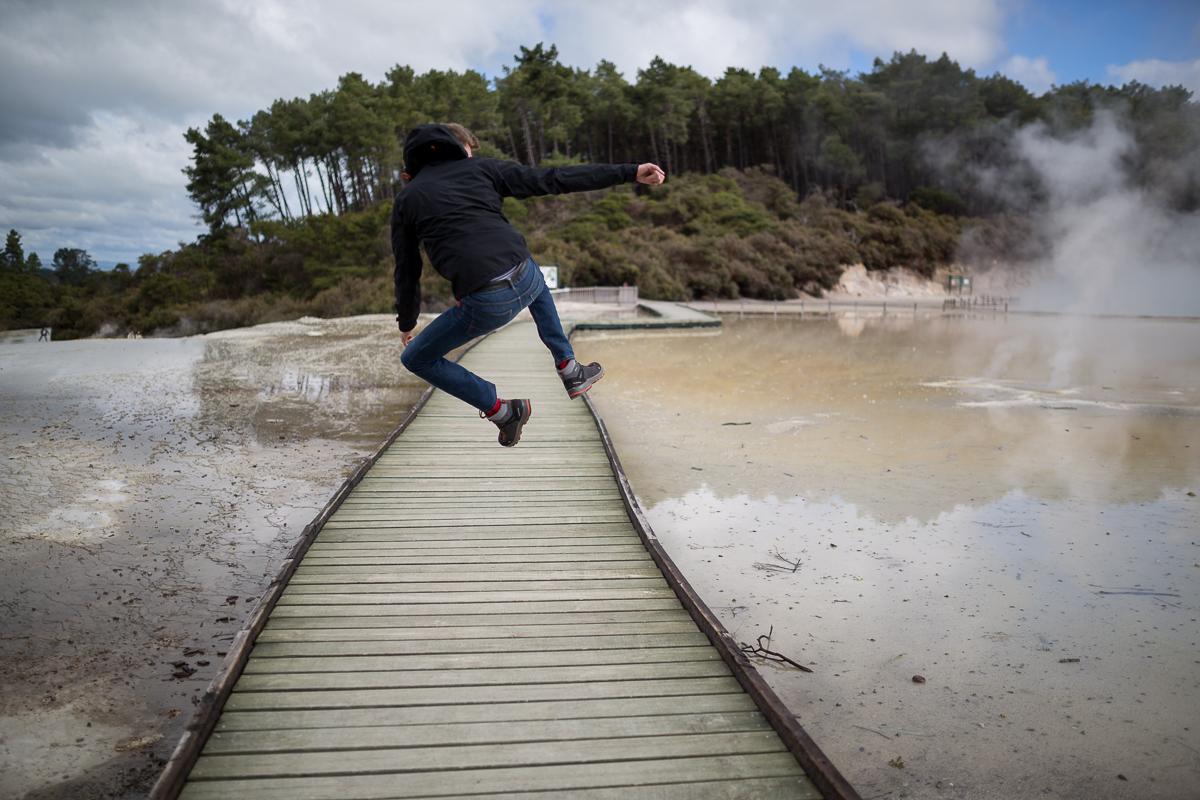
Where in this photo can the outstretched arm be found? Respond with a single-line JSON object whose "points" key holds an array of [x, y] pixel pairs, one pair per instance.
{"points": [[518, 180]]}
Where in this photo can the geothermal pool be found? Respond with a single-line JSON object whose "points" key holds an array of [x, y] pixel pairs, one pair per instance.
{"points": [[1002, 505]]}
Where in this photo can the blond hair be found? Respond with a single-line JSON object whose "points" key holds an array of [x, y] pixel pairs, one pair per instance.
{"points": [[464, 136]]}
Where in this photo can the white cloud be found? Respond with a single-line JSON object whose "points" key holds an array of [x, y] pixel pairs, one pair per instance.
{"points": [[1035, 74], [96, 96], [711, 35], [117, 193], [1159, 73]]}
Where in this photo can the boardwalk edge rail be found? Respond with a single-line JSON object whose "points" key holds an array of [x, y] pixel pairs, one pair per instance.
{"points": [[820, 770]]}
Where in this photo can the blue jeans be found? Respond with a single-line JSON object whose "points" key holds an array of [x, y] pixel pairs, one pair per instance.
{"points": [[475, 315]]}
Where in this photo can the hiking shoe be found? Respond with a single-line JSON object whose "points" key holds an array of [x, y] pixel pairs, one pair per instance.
{"points": [[510, 419], [578, 378]]}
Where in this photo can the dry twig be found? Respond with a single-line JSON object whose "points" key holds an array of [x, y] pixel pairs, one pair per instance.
{"points": [[763, 651]]}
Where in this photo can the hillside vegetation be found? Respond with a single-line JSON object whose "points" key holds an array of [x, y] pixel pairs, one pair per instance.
{"points": [[733, 234]]}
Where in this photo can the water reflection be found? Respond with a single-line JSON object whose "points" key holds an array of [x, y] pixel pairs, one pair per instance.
{"points": [[978, 501]]}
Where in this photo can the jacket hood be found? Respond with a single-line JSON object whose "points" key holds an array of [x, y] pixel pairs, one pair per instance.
{"points": [[429, 144]]}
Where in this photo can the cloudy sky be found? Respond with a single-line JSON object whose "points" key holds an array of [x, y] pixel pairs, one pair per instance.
{"points": [[95, 97]]}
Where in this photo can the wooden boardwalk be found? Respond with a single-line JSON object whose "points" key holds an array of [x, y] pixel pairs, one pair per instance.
{"points": [[475, 620]]}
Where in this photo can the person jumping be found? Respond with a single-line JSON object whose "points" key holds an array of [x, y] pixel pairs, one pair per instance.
{"points": [[453, 204]]}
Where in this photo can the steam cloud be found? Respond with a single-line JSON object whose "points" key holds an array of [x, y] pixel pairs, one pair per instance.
{"points": [[1113, 247]]}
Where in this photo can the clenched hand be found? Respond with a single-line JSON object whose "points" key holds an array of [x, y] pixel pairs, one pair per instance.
{"points": [[650, 174]]}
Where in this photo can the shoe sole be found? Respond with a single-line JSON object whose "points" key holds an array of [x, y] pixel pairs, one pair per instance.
{"points": [[520, 426], [586, 385]]}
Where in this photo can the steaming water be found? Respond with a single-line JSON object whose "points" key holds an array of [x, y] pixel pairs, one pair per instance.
{"points": [[1002, 505]]}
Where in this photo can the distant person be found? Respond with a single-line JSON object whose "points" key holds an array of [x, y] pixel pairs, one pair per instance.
{"points": [[453, 204], [45, 337]]}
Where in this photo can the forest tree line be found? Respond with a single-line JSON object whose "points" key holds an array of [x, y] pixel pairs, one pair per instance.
{"points": [[856, 139]]}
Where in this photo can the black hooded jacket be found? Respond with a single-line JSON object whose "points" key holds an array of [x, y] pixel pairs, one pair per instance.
{"points": [[453, 204]]}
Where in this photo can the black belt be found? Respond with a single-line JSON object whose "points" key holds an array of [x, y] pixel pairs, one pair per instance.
{"points": [[517, 273]]}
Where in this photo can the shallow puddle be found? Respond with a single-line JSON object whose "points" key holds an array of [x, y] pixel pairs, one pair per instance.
{"points": [[1001, 505]]}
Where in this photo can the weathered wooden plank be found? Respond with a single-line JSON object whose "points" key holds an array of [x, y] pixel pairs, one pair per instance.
{"points": [[455, 487], [398, 487], [267, 648], [471, 695], [482, 611], [462, 636], [643, 780], [468, 444], [494, 660], [292, 597], [603, 543], [532, 621], [415, 530], [531, 533], [487, 549], [594, 512], [501, 676], [499, 482], [502, 712], [552, 462], [401, 539], [791, 788], [332, 575], [425, 457], [396, 585], [424, 759], [481, 520], [414, 506], [436, 567], [433, 735], [489, 496], [498, 555], [480, 516], [386, 535]]}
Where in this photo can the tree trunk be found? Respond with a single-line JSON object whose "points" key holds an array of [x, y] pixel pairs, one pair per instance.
{"points": [[300, 192], [610, 135], [528, 137], [882, 165], [667, 148], [775, 147]]}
